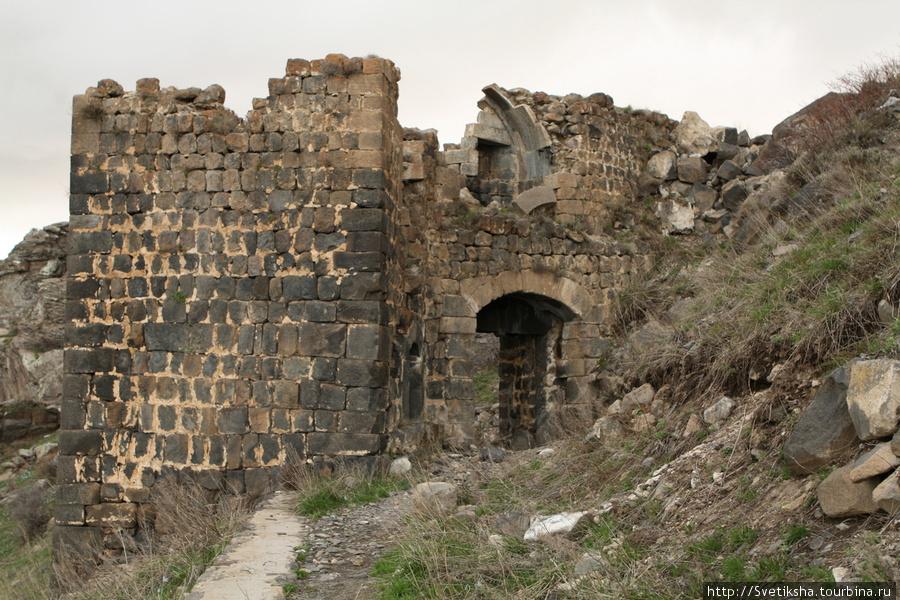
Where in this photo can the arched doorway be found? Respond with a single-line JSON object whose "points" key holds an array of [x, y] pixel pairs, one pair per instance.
{"points": [[529, 327]]}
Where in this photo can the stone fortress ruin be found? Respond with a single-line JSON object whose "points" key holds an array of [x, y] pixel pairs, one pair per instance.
{"points": [[310, 281]]}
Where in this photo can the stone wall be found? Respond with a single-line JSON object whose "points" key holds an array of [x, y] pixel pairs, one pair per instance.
{"points": [[227, 284], [309, 281]]}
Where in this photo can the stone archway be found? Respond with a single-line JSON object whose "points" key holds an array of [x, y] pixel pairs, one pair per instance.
{"points": [[543, 321]]}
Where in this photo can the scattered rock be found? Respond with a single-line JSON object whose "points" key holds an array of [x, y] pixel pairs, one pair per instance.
{"points": [[512, 523], [662, 165], [400, 466], [841, 497], [492, 454], [607, 431], [887, 494], [435, 498], [875, 462], [719, 411], [825, 429], [873, 398], [692, 170], [560, 524], [693, 135]]}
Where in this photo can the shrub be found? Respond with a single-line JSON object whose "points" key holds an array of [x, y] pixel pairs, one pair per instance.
{"points": [[31, 509]]}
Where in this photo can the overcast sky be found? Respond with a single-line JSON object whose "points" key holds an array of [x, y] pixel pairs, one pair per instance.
{"points": [[746, 64]]}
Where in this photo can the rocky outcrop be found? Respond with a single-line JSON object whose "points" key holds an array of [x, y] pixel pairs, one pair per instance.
{"points": [[32, 320]]}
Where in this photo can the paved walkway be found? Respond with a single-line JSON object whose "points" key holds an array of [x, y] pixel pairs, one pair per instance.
{"points": [[258, 560]]}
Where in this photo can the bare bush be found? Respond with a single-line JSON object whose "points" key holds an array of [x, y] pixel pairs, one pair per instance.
{"points": [[31, 509]]}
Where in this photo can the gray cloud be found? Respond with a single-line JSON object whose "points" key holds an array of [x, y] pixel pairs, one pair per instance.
{"points": [[747, 64]]}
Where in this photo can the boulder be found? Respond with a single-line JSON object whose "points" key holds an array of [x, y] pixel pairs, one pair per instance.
{"points": [[662, 165], [875, 462], [873, 398], [512, 523], [638, 398], [703, 197], [677, 216], [400, 466], [560, 524], [693, 135], [492, 454], [841, 497], [607, 431], [435, 498], [692, 169], [887, 494], [719, 411], [728, 171], [733, 195], [825, 429]]}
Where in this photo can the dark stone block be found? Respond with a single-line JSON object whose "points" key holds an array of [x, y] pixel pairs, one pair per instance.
{"points": [[321, 312], [370, 198], [327, 287], [98, 360], [80, 264], [76, 310], [78, 289], [370, 178], [261, 393], [361, 373], [256, 482], [111, 492], [364, 219], [365, 262], [176, 451], [234, 482], [361, 422], [303, 287], [326, 242], [331, 397], [89, 182], [104, 387], [216, 450], [285, 394], [76, 387], [271, 447], [73, 414], [362, 311], [233, 420], [367, 399], [167, 337], [69, 515], [246, 339], [90, 242], [347, 444], [211, 479], [367, 241], [174, 311], [201, 337], [367, 342], [166, 417], [295, 444], [321, 339], [324, 369], [79, 204], [78, 493], [326, 420]]}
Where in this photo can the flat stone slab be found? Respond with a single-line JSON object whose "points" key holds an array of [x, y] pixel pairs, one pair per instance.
{"points": [[258, 560], [529, 200]]}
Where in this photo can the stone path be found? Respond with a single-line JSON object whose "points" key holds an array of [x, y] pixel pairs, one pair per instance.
{"points": [[255, 564], [330, 558], [341, 549]]}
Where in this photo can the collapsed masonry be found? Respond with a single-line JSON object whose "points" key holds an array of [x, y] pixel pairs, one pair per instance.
{"points": [[311, 280]]}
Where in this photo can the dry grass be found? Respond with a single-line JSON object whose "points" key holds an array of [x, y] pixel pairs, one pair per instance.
{"points": [[192, 529]]}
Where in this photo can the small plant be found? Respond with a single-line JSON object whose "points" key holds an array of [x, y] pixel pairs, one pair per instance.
{"points": [[179, 296], [794, 532], [288, 589]]}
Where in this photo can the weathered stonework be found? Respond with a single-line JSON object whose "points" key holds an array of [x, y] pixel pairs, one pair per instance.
{"points": [[311, 279]]}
